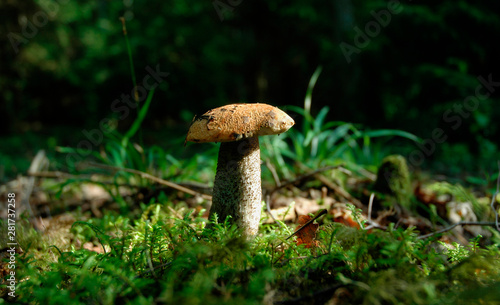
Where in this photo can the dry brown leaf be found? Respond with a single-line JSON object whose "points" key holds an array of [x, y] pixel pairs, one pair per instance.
{"points": [[307, 235], [343, 215]]}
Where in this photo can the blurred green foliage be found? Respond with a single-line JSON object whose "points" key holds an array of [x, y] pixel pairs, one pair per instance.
{"points": [[426, 59]]}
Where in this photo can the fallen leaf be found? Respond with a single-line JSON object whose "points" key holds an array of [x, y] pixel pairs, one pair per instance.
{"points": [[342, 215], [347, 220], [308, 234]]}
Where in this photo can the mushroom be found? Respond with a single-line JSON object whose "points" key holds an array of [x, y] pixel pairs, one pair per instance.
{"points": [[237, 187]]}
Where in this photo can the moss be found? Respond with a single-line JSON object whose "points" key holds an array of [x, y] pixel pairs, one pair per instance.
{"points": [[393, 179]]}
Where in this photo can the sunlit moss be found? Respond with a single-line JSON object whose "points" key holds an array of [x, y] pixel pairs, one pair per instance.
{"points": [[393, 178]]}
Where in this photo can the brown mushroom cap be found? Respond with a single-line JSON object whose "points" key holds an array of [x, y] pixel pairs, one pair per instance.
{"points": [[238, 121]]}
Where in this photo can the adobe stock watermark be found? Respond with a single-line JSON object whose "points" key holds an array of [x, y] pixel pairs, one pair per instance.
{"points": [[455, 117], [226, 6], [122, 106], [12, 245], [31, 26], [362, 39]]}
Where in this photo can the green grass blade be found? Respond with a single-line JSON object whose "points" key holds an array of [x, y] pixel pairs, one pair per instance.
{"points": [[140, 117], [130, 59], [320, 118], [310, 87], [391, 133]]}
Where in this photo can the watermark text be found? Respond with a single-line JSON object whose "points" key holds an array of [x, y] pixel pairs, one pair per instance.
{"points": [[11, 244]]}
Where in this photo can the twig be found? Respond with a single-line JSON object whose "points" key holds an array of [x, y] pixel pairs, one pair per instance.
{"points": [[152, 178], [200, 187], [345, 171], [268, 205], [466, 223], [462, 223], [494, 199], [372, 223], [155, 267], [150, 262], [63, 175], [339, 190], [273, 172], [55, 174], [39, 162], [320, 213], [305, 176], [370, 204], [371, 176], [176, 214], [282, 263]]}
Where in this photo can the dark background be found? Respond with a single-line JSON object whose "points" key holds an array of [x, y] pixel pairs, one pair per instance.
{"points": [[64, 62]]}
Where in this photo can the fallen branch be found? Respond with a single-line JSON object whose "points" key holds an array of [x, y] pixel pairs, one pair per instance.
{"points": [[152, 178], [339, 190], [86, 178], [52, 175], [475, 223], [462, 223], [304, 176], [367, 174]]}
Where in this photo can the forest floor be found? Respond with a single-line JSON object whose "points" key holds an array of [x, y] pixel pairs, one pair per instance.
{"points": [[360, 235]]}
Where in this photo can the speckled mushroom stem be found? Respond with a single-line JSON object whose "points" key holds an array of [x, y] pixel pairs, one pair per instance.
{"points": [[237, 186]]}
